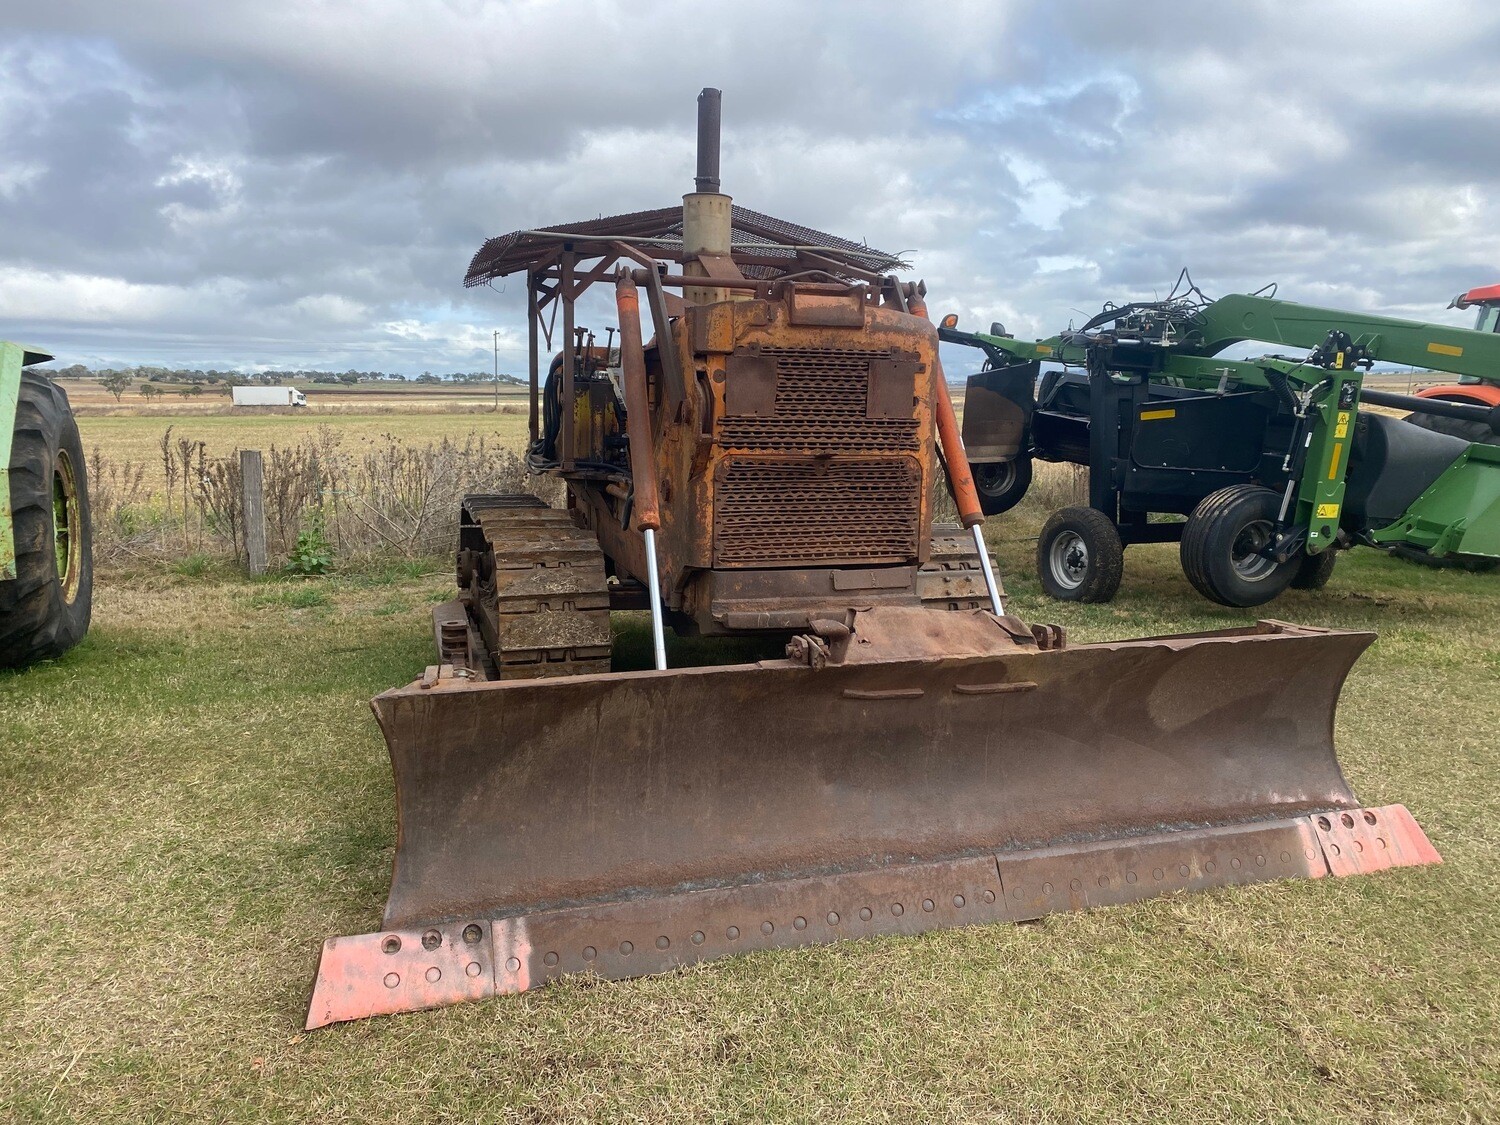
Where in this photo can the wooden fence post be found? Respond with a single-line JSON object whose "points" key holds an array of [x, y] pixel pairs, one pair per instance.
{"points": [[253, 503]]}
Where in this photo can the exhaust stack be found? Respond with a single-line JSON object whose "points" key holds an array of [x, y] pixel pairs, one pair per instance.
{"points": [[707, 182], [706, 211]]}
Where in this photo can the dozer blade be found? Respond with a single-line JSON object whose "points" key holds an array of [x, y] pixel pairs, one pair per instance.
{"points": [[623, 824]]}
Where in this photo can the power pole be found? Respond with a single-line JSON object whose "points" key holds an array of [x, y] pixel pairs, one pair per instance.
{"points": [[497, 371]]}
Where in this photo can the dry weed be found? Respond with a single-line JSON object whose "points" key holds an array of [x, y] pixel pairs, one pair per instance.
{"points": [[376, 498]]}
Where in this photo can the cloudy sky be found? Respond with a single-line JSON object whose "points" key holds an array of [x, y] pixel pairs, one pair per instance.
{"points": [[302, 182]]}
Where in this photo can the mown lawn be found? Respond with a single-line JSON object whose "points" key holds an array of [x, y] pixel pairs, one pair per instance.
{"points": [[197, 796]]}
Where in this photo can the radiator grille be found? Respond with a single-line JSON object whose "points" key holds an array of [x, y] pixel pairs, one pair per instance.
{"points": [[820, 408], [796, 512]]}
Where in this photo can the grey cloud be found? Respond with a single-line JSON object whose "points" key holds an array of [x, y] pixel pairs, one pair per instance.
{"points": [[279, 182]]}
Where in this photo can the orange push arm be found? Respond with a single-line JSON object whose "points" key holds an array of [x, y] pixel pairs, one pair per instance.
{"points": [[960, 478], [647, 512]]}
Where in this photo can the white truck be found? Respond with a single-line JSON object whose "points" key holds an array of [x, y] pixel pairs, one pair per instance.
{"points": [[269, 396]]}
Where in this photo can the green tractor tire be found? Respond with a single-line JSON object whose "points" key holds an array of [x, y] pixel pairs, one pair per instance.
{"points": [[45, 609]]}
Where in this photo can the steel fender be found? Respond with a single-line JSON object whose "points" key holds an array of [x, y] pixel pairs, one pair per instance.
{"points": [[1478, 394]]}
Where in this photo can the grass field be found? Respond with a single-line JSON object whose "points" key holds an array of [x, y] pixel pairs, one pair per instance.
{"points": [[88, 396], [197, 795]]}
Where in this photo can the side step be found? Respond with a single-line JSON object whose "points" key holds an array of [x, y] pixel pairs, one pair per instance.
{"points": [[407, 970]]}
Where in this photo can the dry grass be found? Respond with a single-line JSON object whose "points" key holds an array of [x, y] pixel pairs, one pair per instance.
{"points": [[137, 436], [370, 496], [198, 795]]}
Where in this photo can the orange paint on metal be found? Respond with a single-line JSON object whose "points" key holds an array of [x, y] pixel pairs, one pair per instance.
{"points": [[401, 971], [1360, 841], [960, 478], [646, 512], [1482, 295], [1479, 394]]}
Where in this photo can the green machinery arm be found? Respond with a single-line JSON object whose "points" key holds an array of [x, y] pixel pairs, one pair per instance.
{"points": [[1438, 347], [13, 357], [1326, 385], [1239, 318]]}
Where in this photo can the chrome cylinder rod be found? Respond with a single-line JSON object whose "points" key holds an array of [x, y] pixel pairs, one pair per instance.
{"points": [[653, 584], [989, 572]]}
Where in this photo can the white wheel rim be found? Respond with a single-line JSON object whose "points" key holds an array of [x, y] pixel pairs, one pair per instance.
{"points": [[1069, 560], [1244, 552]]}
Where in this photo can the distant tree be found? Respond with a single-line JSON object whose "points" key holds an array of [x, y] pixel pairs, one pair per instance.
{"points": [[428, 377], [148, 391], [116, 383], [349, 378], [76, 371]]}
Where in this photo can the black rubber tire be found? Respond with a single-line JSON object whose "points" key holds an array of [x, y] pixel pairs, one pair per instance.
{"points": [[1314, 571], [41, 615], [1470, 431], [1209, 540], [1090, 539], [1002, 484]]}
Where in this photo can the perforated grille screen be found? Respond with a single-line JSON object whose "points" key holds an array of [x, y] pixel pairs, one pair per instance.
{"points": [[820, 408], [793, 512]]}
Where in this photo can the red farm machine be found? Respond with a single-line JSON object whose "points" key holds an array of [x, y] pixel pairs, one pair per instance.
{"points": [[1482, 390]]}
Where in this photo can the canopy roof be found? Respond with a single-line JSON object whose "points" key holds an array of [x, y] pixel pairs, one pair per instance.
{"points": [[765, 247]]}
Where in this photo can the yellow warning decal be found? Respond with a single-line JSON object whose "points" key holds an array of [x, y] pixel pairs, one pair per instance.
{"points": [[1333, 464], [1153, 415], [1341, 425], [1444, 349], [1043, 349], [1328, 511]]}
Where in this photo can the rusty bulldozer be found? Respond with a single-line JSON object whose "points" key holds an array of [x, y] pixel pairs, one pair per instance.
{"points": [[768, 464]]}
